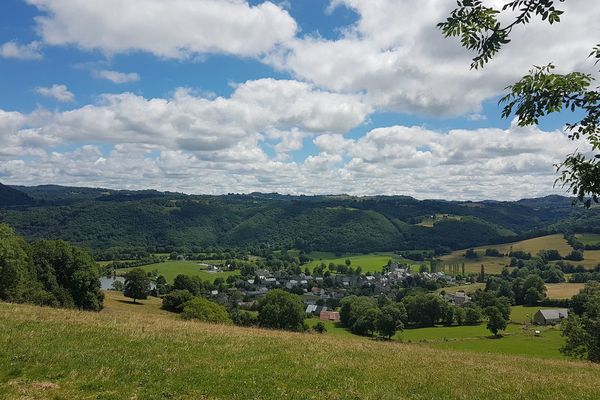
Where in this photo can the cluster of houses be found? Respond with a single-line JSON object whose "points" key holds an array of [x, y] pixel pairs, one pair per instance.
{"points": [[318, 289], [315, 295]]}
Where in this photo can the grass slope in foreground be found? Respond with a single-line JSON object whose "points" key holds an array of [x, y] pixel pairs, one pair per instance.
{"points": [[64, 354]]}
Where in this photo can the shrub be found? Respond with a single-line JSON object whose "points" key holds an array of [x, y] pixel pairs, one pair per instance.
{"points": [[205, 310], [281, 310], [175, 300], [320, 327]]}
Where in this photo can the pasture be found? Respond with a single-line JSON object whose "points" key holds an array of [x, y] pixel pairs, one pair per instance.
{"points": [[470, 288], [522, 342], [48, 353], [373, 262], [588, 238], [170, 269], [518, 339]]}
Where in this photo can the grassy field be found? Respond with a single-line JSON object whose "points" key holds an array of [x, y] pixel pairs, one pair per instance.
{"points": [[524, 343], [494, 265], [118, 306], [563, 290], [588, 238], [373, 262], [170, 269], [121, 354], [591, 259], [464, 288], [519, 338]]}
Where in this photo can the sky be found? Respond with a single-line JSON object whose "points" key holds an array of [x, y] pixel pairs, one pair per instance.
{"points": [[362, 97]]}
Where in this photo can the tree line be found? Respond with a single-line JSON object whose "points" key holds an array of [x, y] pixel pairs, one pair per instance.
{"points": [[47, 272]]}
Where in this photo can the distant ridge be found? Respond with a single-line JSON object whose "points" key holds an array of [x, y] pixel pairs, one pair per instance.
{"points": [[13, 197]]}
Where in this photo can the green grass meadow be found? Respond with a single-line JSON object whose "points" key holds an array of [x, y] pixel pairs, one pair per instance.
{"points": [[123, 353], [170, 269], [588, 238], [373, 262]]}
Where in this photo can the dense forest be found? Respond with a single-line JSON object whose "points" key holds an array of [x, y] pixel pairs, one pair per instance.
{"points": [[118, 222]]}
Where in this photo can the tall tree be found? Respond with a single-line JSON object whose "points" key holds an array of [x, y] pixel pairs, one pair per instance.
{"points": [[137, 284], [582, 328], [540, 92], [496, 320]]}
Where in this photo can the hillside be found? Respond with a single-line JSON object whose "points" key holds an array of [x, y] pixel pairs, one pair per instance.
{"points": [[124, 221], [13, 197], [118, 354]]}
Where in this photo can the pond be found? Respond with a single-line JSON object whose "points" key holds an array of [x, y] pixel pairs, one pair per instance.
{"points": [[107, 281]]}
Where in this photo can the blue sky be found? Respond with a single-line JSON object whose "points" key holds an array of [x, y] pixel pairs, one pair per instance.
{"points": [[317, 96]]}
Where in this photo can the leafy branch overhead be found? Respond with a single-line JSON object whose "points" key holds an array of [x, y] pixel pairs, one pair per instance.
{"points": [[542, 91], [480, 30]]}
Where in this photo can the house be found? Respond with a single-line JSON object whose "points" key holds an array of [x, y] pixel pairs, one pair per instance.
{"points": [[310, 308], [291, 283], [316, 291], [314, 309], [458, 298], [213, 268], [309, 298], [329, 316], [550, 317]]}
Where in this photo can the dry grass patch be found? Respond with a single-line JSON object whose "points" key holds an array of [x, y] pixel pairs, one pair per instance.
{"points": [[563, 290]]}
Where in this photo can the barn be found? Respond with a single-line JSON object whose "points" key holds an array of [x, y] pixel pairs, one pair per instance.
{"points": [[550, 317]]}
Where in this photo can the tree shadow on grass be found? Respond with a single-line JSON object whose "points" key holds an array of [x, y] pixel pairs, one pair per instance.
{"points": [[130, 302], [494, 337]]}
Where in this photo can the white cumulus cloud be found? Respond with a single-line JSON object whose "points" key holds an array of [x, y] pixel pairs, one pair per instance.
{"points": [[58, 92], [116, 76], [18, 51], [170, 29]]}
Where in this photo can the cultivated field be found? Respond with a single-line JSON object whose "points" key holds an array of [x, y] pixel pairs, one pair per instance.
{"points": [[64, 354], [591, 259], [494, 265], [170, 269], [563, 290]]}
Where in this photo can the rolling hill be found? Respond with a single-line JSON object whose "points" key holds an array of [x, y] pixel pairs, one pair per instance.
{"points": [[110, 221], [13, 197]]}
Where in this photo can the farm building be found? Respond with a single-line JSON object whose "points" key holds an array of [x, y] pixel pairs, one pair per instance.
{"points": [[314, 309], [458, 298], [550, 317], [329, 316]]}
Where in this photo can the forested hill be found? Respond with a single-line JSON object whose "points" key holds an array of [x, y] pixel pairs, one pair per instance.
{"points": [[13, 197], [122, 221]]}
